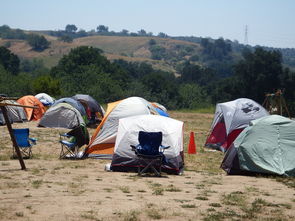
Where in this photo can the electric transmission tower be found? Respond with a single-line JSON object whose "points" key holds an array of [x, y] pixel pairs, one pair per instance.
{"points": [[246, 35]]}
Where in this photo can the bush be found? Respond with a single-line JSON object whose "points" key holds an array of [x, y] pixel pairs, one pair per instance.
{"points": [[37, 42]]}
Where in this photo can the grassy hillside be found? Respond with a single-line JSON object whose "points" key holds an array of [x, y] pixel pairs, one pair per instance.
{"points": [[134, 49]]}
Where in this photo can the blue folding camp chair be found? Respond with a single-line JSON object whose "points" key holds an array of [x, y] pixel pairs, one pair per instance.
{"points": [[72, 141], [150, 152], [24, 142]]}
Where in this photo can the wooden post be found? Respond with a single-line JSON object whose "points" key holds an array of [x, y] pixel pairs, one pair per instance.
{"points": [[19, 155]]}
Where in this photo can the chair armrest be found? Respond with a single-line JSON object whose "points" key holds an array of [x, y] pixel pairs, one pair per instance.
{"points": [[64, 135], [33, 140], [163, 148], [133, 147]]}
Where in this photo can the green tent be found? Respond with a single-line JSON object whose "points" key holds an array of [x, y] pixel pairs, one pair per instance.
{"points": [[267, 146]]}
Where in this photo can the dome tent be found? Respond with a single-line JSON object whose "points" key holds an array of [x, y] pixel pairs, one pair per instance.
{"points": [[124, 159], [76, 104], [61, 115], [267, 146], [15, 113], [32, 113], [230, 119], [96, 112], [103, 140]]}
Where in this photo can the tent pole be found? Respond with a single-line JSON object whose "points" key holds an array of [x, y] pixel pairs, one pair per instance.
{"points": [[20, 158]]}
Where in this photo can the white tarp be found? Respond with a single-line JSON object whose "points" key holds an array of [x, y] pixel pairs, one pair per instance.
{"points": [[45, 99]]}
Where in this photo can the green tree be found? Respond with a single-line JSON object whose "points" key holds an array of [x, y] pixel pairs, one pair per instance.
{"points": [[66, 38], [142, 32], [152, 42], [9, 60], [37, 42], [86, 70], [102, 28], [162, 35], [192, 96], [158, 52], [259, 73], [71, 28], [47, 84]]}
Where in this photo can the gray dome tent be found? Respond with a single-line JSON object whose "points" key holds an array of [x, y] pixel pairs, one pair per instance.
{"points": [[91, 103], [73, 102], [61, 115], [15, 113]]}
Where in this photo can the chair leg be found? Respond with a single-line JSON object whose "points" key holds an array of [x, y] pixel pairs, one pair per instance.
{"points": [[66, 151], [150, 164]]}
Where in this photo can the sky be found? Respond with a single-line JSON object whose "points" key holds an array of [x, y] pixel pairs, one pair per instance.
{"points": [[269, 22]]}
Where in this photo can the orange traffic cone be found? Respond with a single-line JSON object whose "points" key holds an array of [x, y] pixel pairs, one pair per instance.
{"points": [[192, 145]]}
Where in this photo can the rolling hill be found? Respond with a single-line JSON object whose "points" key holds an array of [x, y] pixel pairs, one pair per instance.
{"points": [[165, 53], [133, 49]]}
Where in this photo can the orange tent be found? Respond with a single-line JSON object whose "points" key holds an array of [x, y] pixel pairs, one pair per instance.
{"points": [[32, 113], [103, 140]]}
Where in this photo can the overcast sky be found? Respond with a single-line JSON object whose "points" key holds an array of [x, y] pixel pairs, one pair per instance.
{"points": [[270, 22]]}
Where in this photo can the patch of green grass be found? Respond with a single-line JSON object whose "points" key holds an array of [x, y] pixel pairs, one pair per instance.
{"points": [[4, 157], [5, 163], [181, 201], [124, 189], [251, 189], [12, 185], [90, 215], [133, 177], [188, 206], [201, 198], [131, 216], [141, 191], [256, 207], [189, 183], [156, 188], [37, 183], [200, 186], [19, 214], [172, 188], [211, 210], [35, 171], [215, 204], [154, 213], [5, 177], [288, 181], [235, 198], [158, 191], [218, 216], [109, 190], [73, 185]]}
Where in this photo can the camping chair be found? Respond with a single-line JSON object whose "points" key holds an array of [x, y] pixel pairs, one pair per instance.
{"points": [[24, 142], [150, 152], [72, 141]]}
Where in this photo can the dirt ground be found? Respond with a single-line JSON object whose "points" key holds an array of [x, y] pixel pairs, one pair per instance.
{"points": [[53, 189]]}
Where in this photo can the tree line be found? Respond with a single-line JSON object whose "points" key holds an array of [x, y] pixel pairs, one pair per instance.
{"points": [[86, 70]]}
